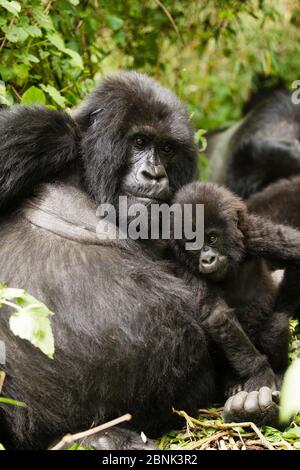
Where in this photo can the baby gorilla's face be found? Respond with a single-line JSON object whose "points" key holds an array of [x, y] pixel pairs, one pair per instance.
{"points": [[223, 247], [214, 262]]}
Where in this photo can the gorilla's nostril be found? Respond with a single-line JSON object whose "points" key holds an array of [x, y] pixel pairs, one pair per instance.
{"points": [[209, 261]]}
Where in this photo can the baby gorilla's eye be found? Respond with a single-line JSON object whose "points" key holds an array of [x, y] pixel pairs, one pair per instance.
{"points": [[212, 238], [140, 141]]}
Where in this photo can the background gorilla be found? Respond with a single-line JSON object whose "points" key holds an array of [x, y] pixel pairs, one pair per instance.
{"points": [[260, 149], [280, 202], [128, 332]]}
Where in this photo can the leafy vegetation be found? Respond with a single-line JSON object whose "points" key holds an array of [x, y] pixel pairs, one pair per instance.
{"points": [[210, 52]]}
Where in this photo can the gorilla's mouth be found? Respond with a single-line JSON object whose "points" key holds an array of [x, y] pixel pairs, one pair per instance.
{"points": [[217, 271], [148, 198]]}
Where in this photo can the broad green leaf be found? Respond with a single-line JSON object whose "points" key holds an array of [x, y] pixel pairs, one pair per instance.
{"points": [[33, 31], [292, 433], [114, 22], [55, 95], [42, 19], [33, 96], [32, 58], [17, 34], [1, 447], [76, 59], [30, 319], [74, 2], [9, 401], [21, 71], [12, 7], [290, 396], [57, 41], [32, 323]]}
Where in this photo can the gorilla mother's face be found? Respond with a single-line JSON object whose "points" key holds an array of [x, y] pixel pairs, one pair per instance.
{"points": [[150, 156]]}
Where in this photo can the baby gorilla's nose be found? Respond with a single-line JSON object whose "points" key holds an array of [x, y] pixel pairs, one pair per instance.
{"points": [[208, 262]]}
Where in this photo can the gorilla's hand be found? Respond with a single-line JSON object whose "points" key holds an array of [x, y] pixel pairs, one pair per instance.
{"points": [[258, 407], [263, 378]]}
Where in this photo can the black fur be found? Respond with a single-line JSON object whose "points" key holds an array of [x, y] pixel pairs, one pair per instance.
{"points": [[244, 285], [129, 335], [262, 149], [280, 203], [35, 144]]}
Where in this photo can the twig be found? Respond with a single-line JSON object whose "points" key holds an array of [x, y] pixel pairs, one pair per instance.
{"points": [[8, 31], [222, 445], [70, 438], [195, 422], [216, 414], [232, 443], [170, 18], [2, 378], [210, 439], [285, 444]]}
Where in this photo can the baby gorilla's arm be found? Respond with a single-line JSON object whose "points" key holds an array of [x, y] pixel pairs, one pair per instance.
{"points": [[278, 243], [251, 366]]}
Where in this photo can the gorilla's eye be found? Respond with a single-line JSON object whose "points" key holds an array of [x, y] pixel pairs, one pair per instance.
{"points": [[140, 141], [212, 238], [167, 148]]}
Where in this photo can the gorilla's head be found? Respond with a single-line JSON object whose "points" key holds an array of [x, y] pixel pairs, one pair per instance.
{"points": [[137, 140], [224, 216]]}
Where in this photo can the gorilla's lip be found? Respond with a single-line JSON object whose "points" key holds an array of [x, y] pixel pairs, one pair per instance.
{"points": [[147, 197]]}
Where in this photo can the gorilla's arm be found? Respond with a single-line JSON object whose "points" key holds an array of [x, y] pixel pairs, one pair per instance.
{"points": [[252, 367], [278, 243], [35, 144]]}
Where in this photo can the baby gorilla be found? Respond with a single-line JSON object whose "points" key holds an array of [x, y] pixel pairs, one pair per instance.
{"points": [[241, 321]]}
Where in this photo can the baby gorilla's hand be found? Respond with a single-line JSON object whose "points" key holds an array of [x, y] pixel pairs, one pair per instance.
{"points": [[259, 407]]}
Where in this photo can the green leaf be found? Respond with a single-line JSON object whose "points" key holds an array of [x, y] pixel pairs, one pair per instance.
{"points": [[76, 59], [114, 22], [33, 31], [30, 320], [42, 19], [9, 401], [57, 41], [33, 96], [32, 323], [12, 7], [1, 447], [292, 433], [55, 95], [74, 2], [290, 396], [17, 34]]}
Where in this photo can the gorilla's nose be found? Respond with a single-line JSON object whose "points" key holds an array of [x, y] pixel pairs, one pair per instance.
{"points": [[153, 175], [208, 261]]}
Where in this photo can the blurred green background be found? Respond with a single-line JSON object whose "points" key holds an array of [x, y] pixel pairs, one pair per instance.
{"points": [[208, 52]]}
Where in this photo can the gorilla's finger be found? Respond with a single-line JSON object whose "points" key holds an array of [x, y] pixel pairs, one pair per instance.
{"points": [[227, 406], [276, 396], [251, 402], [265, 398], [238, 401]]}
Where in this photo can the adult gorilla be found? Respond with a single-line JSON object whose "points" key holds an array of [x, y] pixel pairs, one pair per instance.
{"points": [[261, 148], [128, 333]]}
